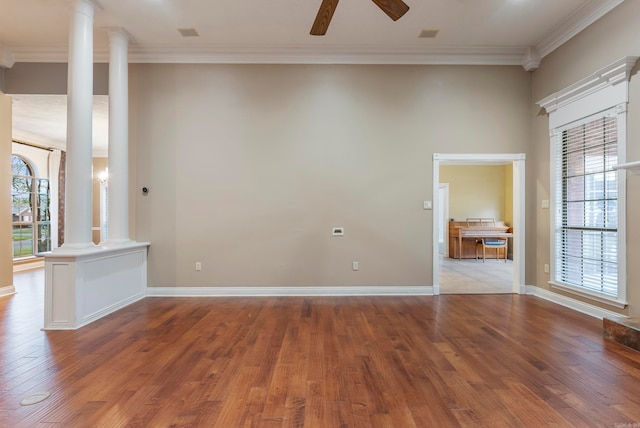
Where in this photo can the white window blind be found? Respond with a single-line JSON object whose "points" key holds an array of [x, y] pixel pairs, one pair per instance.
{"points": [[586, 232]]}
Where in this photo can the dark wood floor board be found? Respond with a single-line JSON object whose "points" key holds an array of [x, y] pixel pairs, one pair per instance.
{"points": [[455, 360]]}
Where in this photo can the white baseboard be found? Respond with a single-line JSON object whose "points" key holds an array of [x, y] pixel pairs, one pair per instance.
{"points": [[568, 302], [287, 291], [7, 291]]}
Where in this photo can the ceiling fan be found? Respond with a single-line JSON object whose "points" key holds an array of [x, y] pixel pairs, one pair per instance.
{"points": [[394, 8]]}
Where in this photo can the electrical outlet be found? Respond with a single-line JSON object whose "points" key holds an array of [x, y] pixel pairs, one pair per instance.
{"points": [[546, 268], [356, 265], [198, 265]]}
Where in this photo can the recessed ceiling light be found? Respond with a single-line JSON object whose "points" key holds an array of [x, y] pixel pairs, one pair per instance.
{"points": [[428, 34], [188, 32]]}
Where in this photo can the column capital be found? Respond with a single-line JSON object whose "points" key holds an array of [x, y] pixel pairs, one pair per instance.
{"points": [[86, 6], [118, 34]]}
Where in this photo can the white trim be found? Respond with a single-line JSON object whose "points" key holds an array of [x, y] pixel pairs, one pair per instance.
{"points": [[518, 162], [477, 158], [83, 286], [289, 291], [9, 290], [443, 223], [527, 56], [570, 303], [6, 57], [594, 93], [634, 167], [287, 54], [604, 93], [585, 16], [586, 293]]}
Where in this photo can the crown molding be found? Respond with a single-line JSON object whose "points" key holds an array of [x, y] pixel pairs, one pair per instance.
{"points": [[581, 19], [6, 57], [219, 54], [528, 57]]}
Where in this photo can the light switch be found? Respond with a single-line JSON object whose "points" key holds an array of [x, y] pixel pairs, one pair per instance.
{"points": [[545, 204], [428, 205]]}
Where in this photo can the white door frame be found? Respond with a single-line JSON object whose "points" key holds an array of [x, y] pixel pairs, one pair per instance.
{"points": [[444, 187], [518, 162]]}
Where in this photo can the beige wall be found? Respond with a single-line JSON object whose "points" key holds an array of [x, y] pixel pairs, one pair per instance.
{"points": [[250, 166], [6, 250], [613, 37], [476, 191]]}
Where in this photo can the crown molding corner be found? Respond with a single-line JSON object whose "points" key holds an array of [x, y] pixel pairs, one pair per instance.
{"points": [[6, 57], [531, 59]]}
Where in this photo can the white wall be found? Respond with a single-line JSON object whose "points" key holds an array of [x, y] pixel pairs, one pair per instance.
{"points": [[250, 166]]}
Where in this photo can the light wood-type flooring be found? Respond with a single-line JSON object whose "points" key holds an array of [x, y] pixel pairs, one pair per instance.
{"points": [[469, 276], [447, 361]]}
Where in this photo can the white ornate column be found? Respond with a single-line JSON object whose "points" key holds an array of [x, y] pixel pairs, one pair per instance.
{"points": [[78, 200], [118, 194]]}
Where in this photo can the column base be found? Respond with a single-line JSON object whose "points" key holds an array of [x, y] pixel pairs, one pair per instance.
{"points": [[75, 247], [84, 286], [116, 242]]}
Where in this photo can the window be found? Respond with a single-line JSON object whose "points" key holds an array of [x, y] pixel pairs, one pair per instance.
{"points": [[587, 124], [31, 232], [586, 232]]}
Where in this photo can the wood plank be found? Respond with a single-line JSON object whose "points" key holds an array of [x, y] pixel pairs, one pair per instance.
{"points": [[500, 360]]}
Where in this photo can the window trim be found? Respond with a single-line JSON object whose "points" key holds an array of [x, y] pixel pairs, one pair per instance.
{"points": [[35, 207], [601, 94]]}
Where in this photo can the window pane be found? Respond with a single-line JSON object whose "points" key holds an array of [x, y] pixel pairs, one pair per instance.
{"points": [[587, 237], [22, 240], [19, 166], [21, 185], [21, 208], [43, 208], [44, 237], [43, 186]]}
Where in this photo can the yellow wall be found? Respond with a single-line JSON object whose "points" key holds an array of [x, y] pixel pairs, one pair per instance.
{"points": [[477, 191], [6, 250], [611, 38]]}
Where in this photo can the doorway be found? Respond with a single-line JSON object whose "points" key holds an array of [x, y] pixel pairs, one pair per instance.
{"points": [[443, 214], [518, 200]]}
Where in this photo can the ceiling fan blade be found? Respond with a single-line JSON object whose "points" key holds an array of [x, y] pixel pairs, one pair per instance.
{"points": [[323, 18], [394, 8]]}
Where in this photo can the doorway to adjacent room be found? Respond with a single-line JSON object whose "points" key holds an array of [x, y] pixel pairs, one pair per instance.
{"points": [[469, 275]]}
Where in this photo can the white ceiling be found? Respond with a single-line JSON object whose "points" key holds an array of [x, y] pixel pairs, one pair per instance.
{"points": [[505, 32]]}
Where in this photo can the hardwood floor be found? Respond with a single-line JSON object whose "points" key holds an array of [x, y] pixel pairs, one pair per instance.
{"points": [[456, 360]]}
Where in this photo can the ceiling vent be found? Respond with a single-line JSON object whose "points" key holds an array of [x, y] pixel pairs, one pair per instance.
{"points": [[188, 32], [428, 34]]}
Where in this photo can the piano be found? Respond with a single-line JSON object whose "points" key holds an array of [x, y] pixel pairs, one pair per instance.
{"points": [[464, 234]]}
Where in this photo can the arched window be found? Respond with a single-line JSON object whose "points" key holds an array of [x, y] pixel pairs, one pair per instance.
{"points": [[30, 210]]}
